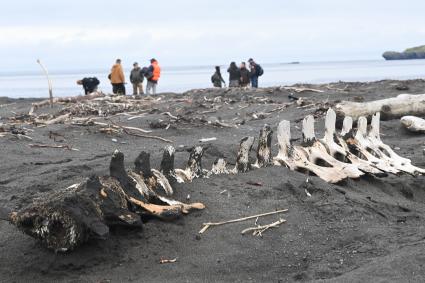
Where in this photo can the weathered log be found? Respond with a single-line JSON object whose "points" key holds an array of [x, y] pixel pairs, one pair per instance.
{"points": [[264, 155], [242, 160], [296, 158], [390, 108], [413, 124], [318, 155]]}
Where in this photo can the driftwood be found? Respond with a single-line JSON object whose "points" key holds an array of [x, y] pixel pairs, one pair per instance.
{"points": [[64, 219], [390, 108], [413, 124], [209, 224], [49, 82], [72, 99], [260, 229]]}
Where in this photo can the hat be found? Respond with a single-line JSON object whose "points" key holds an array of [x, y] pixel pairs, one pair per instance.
{"points": [[135, 63]]}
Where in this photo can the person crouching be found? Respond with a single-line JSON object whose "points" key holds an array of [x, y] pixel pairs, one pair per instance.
{"points": [[89, 84]]}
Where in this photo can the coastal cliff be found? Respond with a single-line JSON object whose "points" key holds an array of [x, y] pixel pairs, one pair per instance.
{"points": [[410, 53]]}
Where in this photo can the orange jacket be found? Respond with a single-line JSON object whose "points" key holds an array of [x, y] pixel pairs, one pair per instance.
{"points": [[117, 74], [156, 71]]}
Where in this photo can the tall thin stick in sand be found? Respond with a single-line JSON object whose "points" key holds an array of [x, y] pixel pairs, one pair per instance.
{"points": [[49, 82], [209, 224]]}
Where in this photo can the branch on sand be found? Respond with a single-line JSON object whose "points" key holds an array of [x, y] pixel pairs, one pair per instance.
{"points": [[209, 224], [259, 230], [61, 146]]}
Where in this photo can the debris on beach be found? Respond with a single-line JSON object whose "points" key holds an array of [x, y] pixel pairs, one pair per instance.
{"points": [[413, 124], [66, 218]]}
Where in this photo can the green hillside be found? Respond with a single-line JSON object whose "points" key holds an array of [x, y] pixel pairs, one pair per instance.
{"points": [[416, 49]]}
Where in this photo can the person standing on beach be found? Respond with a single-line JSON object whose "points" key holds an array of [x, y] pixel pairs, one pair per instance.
{"points": [[244, 80], [117, 78], [255, 71], [234, 75], [217, 79], [136, 79], [89, 84], [153, 75]]}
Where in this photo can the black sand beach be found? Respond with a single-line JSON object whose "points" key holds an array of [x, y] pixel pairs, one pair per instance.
{"points": [[366, 230]]}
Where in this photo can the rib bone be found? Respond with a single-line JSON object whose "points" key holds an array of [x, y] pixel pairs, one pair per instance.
{"points": [[295, 157], [400, 162], [339, 150], [317, 152]]}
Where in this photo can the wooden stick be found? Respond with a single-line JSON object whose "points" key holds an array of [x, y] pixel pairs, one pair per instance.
{"points": [[63, 146], [260, 229], [49, 82], [146, 136], [123, 127], [209, 224]]}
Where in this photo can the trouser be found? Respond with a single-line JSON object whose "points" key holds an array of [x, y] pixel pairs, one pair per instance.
{"points": [[254, 82], [118, 88], [234, 83], [137, 88], [151, 86]]}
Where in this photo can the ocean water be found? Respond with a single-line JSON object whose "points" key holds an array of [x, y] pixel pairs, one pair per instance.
{"points": [[180, 79]]}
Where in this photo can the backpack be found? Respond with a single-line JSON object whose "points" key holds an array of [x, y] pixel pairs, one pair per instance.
{"points": [[260, 70]]}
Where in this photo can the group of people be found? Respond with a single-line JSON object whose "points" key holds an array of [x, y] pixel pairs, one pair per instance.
{"points": [[239, 76], [137, 77]]}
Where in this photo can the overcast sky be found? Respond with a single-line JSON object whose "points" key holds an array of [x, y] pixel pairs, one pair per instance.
{"points": [[91, 34]]}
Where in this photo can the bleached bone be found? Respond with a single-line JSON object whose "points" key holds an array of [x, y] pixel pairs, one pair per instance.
{"points": [[194, 167], [401, 162], [413, 124], [295, 158], [153, 178], [264, 155], [360, 146], [338, 150], [219, 167], [394, 107], [242, 161], [317, 152]]}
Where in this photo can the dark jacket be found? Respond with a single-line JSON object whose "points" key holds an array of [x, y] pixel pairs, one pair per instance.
{"points": [[256, 70], [217, 79], [136, 76], [244, 79], [90, 84], [234, 74]]}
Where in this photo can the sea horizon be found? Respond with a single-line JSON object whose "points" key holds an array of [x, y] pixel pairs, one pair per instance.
{"points": [[177, 79]]}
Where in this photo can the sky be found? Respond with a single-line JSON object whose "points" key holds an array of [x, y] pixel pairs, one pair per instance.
{"points": [[84, 34]]}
